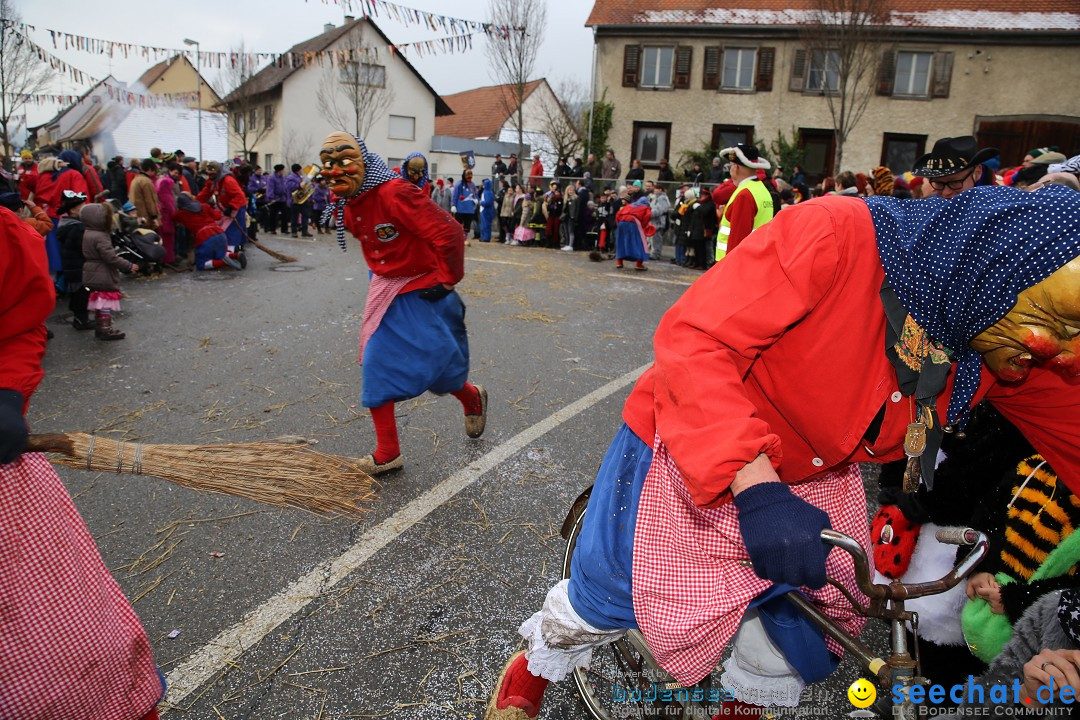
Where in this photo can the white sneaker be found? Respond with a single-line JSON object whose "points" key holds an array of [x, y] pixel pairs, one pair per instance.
{"points": [[514, 243], [568, 248]]}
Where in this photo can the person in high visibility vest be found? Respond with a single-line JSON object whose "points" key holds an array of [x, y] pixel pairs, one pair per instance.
{"points": [[751, 205]]}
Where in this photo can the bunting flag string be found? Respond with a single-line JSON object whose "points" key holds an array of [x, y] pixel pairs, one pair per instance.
{"points": [[460, 39], [454, 43], [433, 21], [116, 93]]}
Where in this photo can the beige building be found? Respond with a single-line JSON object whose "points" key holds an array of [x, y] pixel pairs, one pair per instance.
{"points": [[686, 74], [282, 113], [490, 113], [177, 75]]}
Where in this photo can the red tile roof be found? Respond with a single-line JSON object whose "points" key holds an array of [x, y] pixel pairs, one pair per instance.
{"points": [[481, 112], [1031, 15]]}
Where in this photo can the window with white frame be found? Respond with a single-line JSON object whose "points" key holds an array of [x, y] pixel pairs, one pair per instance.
{"points": [[824, 74], [738, 69], [656, 66], [912, 73], [239, 122], [268, 116], [357, 73], [402, 127]]}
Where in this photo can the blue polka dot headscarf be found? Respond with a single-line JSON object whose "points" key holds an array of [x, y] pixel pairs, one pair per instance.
{"points": [[957, 265], [375, 173]]}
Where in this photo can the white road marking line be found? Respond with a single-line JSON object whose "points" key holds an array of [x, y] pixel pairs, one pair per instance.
{"points": [[624, 276], [496, 262], [202, 665]]}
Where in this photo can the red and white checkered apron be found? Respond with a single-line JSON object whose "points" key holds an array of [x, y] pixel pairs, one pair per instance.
{"points": [[71, 647], [690, 587]]}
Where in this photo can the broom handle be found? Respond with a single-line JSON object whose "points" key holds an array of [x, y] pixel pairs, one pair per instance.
{"points": [[51, 442]]}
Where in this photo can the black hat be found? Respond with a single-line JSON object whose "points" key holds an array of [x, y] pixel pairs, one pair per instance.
{"points": [[279, 166], [950, 156], [297, 167], [745, 155], [69, 200]]}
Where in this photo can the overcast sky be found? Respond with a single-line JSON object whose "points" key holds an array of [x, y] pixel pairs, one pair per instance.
{"points": [[275, 25]]}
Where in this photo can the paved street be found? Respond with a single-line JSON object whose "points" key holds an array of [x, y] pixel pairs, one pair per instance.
{"points": [[260, 613]]}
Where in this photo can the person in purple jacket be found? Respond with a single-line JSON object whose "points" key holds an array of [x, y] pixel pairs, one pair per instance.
{"points": [[278, 200], [256, 194], [319, 200]]}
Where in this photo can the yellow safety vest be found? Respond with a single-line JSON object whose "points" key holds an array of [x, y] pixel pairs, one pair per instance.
{"points": [[763, 215]]}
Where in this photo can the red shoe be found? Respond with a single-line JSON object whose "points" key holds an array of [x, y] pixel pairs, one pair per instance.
{"points": [[506, 706]]}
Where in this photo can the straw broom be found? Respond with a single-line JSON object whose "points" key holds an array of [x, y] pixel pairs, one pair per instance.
{"points": [[274, 473]]}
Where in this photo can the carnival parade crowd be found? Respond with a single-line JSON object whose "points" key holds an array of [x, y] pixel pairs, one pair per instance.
{"points": [[836, 319]]}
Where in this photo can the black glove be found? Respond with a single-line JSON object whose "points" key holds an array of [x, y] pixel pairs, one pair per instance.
{"points": [[782, 534], [435, 293], [13, 432]]}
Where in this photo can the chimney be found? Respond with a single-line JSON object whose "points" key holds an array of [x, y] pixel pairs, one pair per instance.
{"points": [[349, 19], [327, 27]]}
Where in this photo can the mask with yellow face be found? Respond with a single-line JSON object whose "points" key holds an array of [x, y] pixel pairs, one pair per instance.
{"points": [[342, 163]]}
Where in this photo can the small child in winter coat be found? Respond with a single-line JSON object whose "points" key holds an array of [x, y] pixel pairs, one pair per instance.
{"points": [[201, 221], [101, 268], [70, 234]]}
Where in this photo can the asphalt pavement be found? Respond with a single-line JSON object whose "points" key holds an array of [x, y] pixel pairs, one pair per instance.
{"points": [[409, 612]]}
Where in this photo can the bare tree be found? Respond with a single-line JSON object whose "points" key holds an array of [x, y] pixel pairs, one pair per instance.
{"points": [[356, 94], [21, 73], [511, 59], [844, 40], [298, 148], [563, 117], [245, 99]]}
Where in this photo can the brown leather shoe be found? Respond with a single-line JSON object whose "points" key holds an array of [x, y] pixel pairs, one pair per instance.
{"points": [[475, 424], [372, 468]]}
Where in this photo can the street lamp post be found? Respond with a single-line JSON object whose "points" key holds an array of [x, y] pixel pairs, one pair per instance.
{"points": [[198, 92]]}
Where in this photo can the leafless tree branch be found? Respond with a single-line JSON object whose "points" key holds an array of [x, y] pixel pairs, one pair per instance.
{"points": [[847, 37], [354, 96], [564, 118], [246, 101], [511, 60], [21, 73]]}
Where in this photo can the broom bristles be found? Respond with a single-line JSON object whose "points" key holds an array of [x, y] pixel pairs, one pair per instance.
{"points": [[283, 475]]}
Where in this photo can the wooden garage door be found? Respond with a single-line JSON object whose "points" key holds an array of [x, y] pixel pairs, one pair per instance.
{"points": [[1014, 136]]}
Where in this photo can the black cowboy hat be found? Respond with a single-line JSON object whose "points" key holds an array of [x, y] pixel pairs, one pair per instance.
{"points": [[950, 156]]}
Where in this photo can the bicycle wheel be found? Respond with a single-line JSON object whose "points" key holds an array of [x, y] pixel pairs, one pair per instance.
{"points": [[622, 676]]}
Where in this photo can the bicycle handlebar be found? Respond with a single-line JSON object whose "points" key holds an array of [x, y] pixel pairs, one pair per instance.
{"points": [[897, 590]]}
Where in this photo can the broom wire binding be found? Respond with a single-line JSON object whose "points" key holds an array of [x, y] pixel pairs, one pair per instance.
{"points": [[279, 474]]}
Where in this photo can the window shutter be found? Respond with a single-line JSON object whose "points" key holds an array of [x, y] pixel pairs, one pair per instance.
{"points": [[942, 74], [886, 73], [683, 57], [710, 78], [766, 61], [631, 65], [798, 71]]}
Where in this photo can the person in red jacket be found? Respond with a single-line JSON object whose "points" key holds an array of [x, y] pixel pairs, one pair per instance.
{"points": [[776, 373], [27, 174], [70, 644], [223, 190], [203, 222], [412, 337], [58, 175]]}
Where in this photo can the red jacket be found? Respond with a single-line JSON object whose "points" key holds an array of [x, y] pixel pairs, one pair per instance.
{"points": [[27, 181], [780, 350], [50, 190], [202, 225], [27, 297], [402, 233], [227, 192], [93, 183]]}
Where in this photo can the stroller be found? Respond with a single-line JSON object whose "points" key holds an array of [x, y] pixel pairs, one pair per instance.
{"points": [[136, 244]]}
